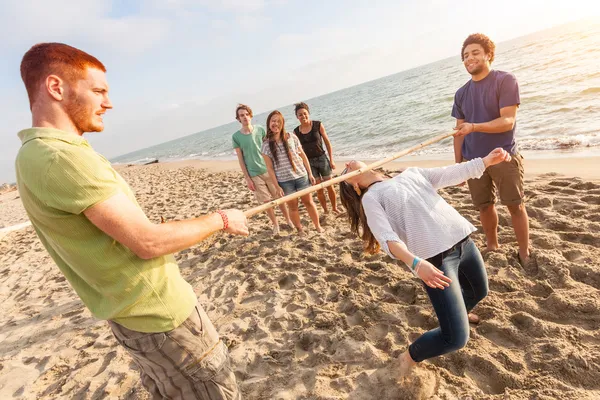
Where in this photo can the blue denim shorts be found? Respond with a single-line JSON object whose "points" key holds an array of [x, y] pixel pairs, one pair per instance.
{"points": [[320, 166], [294, 185]]}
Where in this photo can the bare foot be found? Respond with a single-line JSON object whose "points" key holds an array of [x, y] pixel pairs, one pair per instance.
{"points": [[320, 229], [275, 230], [405, 364], [301, 233], [336, 211], [474, 318], [527, 261]]}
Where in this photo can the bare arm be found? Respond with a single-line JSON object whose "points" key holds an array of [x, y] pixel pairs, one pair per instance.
{"points": [[458, 142], [240, 156], [271, 172], [328, 145], [311, 178], [126, 223], [399, 251], [506, 121]]}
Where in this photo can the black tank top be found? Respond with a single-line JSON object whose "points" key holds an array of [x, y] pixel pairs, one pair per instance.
{"points": [[312, 142]]}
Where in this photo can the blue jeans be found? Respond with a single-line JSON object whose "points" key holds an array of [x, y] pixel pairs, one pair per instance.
{"points": [[295, 185], [464, 265]]}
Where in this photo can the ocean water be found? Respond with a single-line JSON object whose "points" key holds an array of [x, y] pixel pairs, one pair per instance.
{"points": [[559, 77]]}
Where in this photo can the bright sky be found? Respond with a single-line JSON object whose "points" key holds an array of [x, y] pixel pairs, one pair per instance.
{"points": [[177, 67]]}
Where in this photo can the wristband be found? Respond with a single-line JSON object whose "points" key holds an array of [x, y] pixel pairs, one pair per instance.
{"points": [[224, 218], [416, 270], [415, 266], [415, 262]]}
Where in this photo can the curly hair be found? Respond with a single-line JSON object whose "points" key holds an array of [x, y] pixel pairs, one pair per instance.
{"points": [[300, 106], [479, 38]]}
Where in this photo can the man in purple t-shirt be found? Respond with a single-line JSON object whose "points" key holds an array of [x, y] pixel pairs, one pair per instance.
{"points": [[485, 109]]}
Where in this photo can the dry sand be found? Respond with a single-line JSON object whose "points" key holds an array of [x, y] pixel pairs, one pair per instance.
{"points": [[312, 318]]}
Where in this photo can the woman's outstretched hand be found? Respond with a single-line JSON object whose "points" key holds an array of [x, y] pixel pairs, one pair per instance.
{"points": [[496, 156], [433, 277]]}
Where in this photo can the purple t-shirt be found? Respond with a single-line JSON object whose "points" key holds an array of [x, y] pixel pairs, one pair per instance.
{"points": [[481, 101]]}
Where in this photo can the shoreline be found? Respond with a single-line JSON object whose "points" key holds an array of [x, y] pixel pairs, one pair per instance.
{"points": [[581, 164]]}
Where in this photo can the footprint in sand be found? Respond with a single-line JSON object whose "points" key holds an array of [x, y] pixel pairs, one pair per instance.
{"points": [[591, 199], [106, 362], [506, 336], [591, 239], [384, 384], [585, 273], [288, 282], [490, 375], [375, 266], [376, 280]]}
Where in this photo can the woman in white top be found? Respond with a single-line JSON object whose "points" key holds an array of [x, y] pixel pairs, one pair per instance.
{"points": [[411, 222], [288, 167]]}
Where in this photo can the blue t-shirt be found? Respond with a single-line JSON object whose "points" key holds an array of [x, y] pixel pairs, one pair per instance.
{"points": [[481, 101]]}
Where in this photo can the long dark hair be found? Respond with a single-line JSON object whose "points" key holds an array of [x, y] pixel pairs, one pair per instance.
{"points": [[284, 138], [352, 201]]}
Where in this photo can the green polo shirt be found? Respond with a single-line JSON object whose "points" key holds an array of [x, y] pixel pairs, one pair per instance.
{"points": [[59, 176]]}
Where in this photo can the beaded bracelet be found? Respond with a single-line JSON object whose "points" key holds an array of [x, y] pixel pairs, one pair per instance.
{"points": [[224, 217]]}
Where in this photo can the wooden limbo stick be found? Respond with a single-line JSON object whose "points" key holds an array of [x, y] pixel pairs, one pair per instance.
{"points": [[256, 210]]}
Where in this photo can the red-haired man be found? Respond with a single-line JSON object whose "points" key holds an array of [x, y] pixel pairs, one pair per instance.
{"points": [[119, 263]]}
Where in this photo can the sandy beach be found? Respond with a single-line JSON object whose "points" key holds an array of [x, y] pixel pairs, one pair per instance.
{"points": [[314, 318]]}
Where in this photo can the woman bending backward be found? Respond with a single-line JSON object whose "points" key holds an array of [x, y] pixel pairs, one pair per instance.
{"points": [[411, 222]]}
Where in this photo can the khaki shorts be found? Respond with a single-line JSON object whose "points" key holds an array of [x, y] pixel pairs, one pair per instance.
{"points": [[506, 177], [189, 362], [265, 190]]}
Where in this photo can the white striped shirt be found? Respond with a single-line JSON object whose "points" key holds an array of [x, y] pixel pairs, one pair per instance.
{"points": [[407, 209], [283, 168]]}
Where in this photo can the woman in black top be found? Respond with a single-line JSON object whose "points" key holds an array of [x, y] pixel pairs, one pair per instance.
{"points": [[312, 135]]}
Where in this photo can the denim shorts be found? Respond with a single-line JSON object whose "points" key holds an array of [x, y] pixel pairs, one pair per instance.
{"points": [[294, 185], [320, 166]]}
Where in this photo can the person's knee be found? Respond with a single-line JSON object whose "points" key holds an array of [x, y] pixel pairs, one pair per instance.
{"points": [[308, 203], [293, 207], [458, 337], [485, 208], [461, 339], [516, 210], [307, 200], [481, 292]]}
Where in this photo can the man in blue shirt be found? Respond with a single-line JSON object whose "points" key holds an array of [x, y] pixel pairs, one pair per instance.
{"points": [[485, 109]]}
